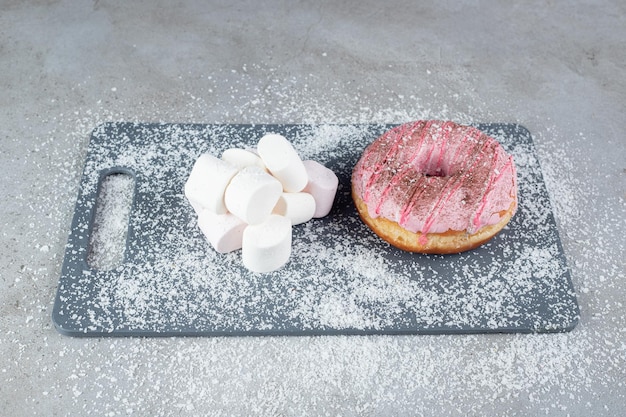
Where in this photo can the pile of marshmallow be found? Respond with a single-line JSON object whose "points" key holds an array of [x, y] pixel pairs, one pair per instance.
{"points": [[250, 199]]}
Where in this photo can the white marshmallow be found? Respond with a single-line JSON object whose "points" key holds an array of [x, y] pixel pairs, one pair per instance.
{"points": [[322, 186], [242, 158], [267, 246], [282, 160], [223, 231], [207, 182], [297, 207], [252, 194]]}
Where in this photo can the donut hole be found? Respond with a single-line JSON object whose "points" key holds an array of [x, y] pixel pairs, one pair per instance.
{"points": [[432, 165], [435, 173], [433, 170]]}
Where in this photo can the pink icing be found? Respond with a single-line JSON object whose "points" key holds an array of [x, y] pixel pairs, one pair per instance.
{"points": [[434, 176]]}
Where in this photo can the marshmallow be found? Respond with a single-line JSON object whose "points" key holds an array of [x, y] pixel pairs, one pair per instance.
{"points": [[297, 207], [242, 158], [282, 160], [223, 231], [267, 246], [252, 194], [207, 181], [322, 186]]}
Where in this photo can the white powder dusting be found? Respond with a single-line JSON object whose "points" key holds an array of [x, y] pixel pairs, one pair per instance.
{"points": [[555, 374]]}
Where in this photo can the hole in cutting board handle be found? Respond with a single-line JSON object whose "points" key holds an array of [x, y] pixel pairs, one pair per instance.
{"points": [[109, 231]]}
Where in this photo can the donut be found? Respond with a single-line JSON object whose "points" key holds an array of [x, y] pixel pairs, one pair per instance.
{"points": [[435, 187]]}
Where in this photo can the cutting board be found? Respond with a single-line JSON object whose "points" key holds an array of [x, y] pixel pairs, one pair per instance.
{"points": [[340, 279]]}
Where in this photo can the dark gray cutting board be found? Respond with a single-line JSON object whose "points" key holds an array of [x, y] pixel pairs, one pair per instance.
{"points": [[341, 278]]}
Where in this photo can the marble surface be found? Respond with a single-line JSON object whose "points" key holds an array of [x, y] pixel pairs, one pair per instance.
{"points": [[558, 68]]}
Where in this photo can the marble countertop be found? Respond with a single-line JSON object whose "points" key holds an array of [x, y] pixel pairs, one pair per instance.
{"points": [[557, 68]]}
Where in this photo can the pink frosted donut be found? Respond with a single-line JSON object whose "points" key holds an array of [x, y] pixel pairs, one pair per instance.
{"points": [[435, 187]]}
